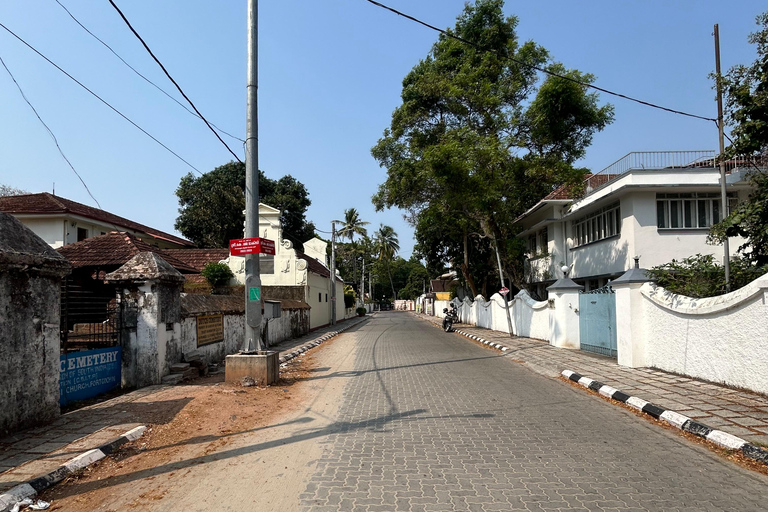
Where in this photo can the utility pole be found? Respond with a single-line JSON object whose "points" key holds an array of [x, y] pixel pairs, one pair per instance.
{"points": [[333, 272], [252, 271], [721, 136], [362, 285]]}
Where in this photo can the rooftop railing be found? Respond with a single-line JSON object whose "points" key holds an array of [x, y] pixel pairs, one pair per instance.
{"points": [[701, 159]]}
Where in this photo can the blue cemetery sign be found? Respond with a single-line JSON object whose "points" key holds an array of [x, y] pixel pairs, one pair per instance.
{"points": [[88, 373]]}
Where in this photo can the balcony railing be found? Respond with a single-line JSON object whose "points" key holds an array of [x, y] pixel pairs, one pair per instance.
{"points": [[652, 160]]}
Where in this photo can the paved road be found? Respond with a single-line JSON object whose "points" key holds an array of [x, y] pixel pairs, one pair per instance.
{"points": [[431, 421]]}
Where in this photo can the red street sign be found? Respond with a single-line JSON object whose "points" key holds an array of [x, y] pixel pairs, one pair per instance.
{"points": [[504, 291], [243, 246]]}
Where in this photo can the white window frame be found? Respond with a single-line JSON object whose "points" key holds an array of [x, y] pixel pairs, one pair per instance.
{"points": [[598, 225], [683, 210]]}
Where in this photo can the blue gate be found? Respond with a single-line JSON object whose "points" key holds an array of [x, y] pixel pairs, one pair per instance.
{"points": [[597, 321]]}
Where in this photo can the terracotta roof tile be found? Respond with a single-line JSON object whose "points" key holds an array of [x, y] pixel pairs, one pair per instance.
{"points": [[115, 249], [198, 258], [46, 203], [315, 266]]}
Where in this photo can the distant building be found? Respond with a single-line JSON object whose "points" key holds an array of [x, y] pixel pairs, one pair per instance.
{"points": [[655, 205], [292, 274], [61, 221]]}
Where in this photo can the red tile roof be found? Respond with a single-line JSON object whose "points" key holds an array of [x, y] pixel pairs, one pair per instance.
{"points": [[45, 203], [115, 249], [315, 266], [198, 258]]}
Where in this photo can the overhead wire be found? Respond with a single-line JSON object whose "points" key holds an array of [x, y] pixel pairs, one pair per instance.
{"points": [[532, 66], [146, 46], [50, 132], [99, 98], [138, 73]]}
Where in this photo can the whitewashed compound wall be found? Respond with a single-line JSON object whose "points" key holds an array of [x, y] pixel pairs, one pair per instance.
{"points": [[720, 339]]}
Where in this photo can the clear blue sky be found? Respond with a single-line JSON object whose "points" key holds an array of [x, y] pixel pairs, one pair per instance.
{"points": [[330, 75]]}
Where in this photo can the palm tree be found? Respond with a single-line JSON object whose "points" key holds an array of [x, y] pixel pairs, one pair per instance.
{"points": [[386, 244], [352, 225]]}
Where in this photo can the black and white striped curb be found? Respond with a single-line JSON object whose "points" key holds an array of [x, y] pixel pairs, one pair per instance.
{"points": [[718, 437], [483, 341], [315, 343], [36, 485]]}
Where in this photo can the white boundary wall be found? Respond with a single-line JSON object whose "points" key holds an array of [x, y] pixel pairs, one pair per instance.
{"points": [[529, 318], [720, 339]]}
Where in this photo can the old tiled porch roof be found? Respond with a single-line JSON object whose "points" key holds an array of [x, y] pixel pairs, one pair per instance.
{"points": [[47, 204], [198, 258], [115, 249]]}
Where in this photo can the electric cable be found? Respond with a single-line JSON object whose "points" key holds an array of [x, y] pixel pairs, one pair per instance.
{"points": [[138, 73], [99, 98], [50, 132], [172, 80], [537, 68]]}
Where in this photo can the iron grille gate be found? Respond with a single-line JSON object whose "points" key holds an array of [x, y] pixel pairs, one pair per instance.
{"points": [[90, 317], [597, 321]]}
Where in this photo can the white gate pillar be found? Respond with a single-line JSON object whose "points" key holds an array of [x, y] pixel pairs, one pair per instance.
{"points": [[563, 314], [631, 344]]}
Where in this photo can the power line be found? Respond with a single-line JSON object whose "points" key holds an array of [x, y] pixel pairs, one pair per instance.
{"points": [[537, 68], [99, 98], [137, 72], [49, 133], [171, 79]]}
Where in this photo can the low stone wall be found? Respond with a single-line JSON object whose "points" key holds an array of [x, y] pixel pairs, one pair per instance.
{"points": [[210, 314]]}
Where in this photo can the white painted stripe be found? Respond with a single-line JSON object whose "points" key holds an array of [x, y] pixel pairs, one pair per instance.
{"points": [[135, 433], [504, 348], [16, 494], [674, 418], [726, 440], [637, 403], [566, 373], [84, 460], [607, 391], [585, 381]]}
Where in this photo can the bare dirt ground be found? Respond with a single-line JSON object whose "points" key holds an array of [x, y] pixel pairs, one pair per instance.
{"points": [[228, 448]]}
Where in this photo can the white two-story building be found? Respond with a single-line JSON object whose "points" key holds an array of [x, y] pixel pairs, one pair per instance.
{"points": [[657, 206]]}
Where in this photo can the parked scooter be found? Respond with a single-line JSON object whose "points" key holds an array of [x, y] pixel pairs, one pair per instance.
{"points": [[451, 317]]}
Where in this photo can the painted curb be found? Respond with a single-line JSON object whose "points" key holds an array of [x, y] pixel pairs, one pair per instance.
{"points": [[32, 487], [315, 343], [677, 420]]}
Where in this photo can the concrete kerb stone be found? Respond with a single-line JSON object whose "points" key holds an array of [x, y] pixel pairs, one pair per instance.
{"points": [[315, 343], [32, 487], [677, 420]]}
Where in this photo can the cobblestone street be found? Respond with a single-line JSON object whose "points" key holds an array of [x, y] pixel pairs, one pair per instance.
{"points": [[432, 421]]}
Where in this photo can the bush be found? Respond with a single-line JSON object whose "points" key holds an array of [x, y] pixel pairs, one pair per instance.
{"points": [[217, 274], [349, 300], [701, 276], [361, 311]]}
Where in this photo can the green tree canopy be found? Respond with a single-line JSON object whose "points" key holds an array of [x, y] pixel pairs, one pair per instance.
{"points": [[746, 93], [480, 137], [211, 206], [745, 89]]}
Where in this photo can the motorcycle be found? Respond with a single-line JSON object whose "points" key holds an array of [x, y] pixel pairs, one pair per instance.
{"points": [[451, 317]]}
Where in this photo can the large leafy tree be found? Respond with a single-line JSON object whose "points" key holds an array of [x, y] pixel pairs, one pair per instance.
{"points": [[746, 93], [480, 137], [211, 206], [745, 89], [7, 190]]}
